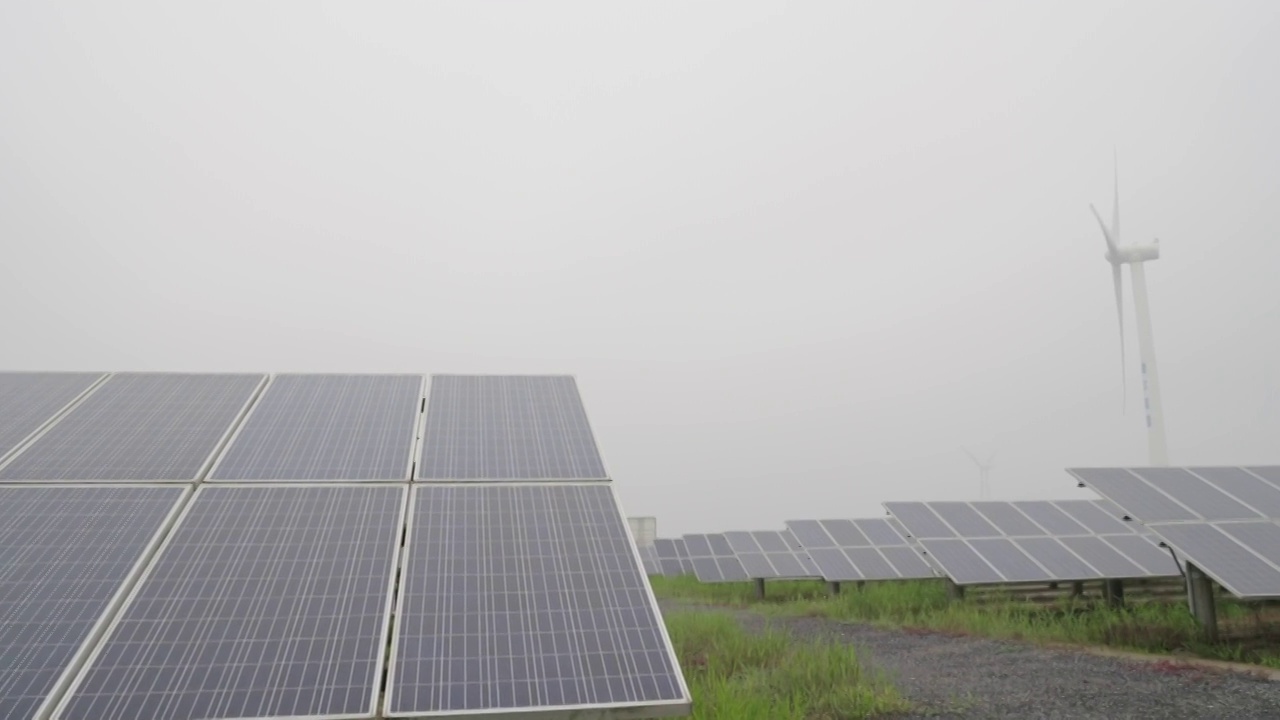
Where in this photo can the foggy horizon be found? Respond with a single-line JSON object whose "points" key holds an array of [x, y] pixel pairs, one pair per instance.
{"points": [[796, 257]]}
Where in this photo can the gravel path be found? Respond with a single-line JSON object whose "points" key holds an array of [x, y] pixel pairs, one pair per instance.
{"points": [[945, 676]]}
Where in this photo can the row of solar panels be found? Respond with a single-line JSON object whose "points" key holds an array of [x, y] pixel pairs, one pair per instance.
{"points": [[236, 601], [1224, 520], [160, 427], [970, 543]]}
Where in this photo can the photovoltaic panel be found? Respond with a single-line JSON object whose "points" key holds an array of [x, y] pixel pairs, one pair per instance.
{"points": [[1143, 550], [1092, 515], [1053, 556], [1130, 492], [326, 427], [1223, 558], [649, 558], [865, 549], [30, 399], [1008, 519], [1106, 559], [264, 601], [1193, 492], [1049, 517], [526, 598], [69, 555], [1009, 560], [713, 560], [1244, 486], [880, 532], [961, 562], [668, 557], [962, 518], [139, 426], [919, 520], [1263, 538], [499, 427], [682, 552]]}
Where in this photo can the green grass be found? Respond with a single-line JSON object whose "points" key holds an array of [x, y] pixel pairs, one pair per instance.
{"points": [[737, 675], [1142, 626]]}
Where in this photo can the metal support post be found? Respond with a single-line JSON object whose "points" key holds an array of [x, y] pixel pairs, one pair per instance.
{"points": [[1114, 592], [833, 588], [1200, 593], [954, 591], [759, 588]]}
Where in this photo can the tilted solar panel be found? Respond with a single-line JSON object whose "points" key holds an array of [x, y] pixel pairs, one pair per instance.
{"points": [[1223, 520], [326, 427], [1037, 541], [669, 557], [69, 555], [526, 598], [856, 550], [139, 426], [31, 399], [507, 427], [264, 601]]}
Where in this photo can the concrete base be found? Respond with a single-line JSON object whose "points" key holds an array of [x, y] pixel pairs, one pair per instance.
{"points": [[833, 588], [1200, 595], [1113, 590], [759, 588], [954, 591]]}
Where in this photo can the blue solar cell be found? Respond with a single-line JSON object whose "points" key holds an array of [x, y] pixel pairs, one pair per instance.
{"points": [[1009, 560], [507, 427], [960, 562], [1223, 558], [69, 554], [1051, 518], [964, 519], [264, 601], [810, 533], [327, 427], [1008, 518], [907, 561], [139, 426], [1091, 514], [1061, 563], [919, 520], [1193, 492], [1135, 496], [30, 399], [880, 532], [846, 533], [525, 598], [1247, 487]]}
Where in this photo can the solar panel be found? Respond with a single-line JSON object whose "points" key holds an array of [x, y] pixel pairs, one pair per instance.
{"points": [[1129, 492], [500, 427], [1223, 520], [669, 558], [32, 399], [682, 553], [139, 426], [713, 560], [844, 551], [264, 601], [649, 558], [326, 427], [919, 520], [1028, 541], [526, 598], [70, 554]]}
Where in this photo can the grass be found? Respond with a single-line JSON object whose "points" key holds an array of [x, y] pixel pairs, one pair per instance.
{"points": [[1152, 627], [734, 674]]}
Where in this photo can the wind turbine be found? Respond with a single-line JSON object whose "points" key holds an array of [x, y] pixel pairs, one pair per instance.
{"points": [[984, 474], [1134, 256]]}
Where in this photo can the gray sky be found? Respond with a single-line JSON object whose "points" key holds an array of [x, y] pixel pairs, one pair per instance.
{"points": [[797, 256]]}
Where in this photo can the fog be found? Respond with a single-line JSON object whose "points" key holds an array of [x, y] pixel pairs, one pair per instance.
{"points": [[797, 256]]}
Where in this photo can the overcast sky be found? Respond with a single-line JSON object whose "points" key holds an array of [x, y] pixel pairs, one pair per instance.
{"points": [[796, 255]]}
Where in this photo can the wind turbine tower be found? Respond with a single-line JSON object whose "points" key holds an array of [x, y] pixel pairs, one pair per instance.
{"points": [[984, 474], [1134, 256]]}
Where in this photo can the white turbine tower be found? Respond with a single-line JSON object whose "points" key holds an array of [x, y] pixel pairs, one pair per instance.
{"points": [[1134, 256], [984, 474]]}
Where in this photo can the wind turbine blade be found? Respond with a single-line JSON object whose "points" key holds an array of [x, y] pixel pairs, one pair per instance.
{"points": [[1106, 234], [991, 460], [1124, 382], [973, 457]]}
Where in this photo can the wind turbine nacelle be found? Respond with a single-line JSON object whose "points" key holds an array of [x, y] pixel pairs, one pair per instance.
{"points": [[1134, 253]]}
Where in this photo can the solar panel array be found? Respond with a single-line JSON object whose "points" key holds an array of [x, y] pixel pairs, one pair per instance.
{"points": [[69, 555], [673, 557], [856, 550], [31, 399], [713, 560], [1033, 541], [1225, 520], [766, 554], [269, 592], [327, 427], [649, 559], [505, 428], [138, 427]]}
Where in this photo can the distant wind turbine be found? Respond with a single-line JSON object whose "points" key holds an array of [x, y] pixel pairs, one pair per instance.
{"points": [[1134, 256], [984, 474]]}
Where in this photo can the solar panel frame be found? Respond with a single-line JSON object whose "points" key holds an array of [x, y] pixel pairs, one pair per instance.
{"points": [[1239, 574], [674, 708], [421, 474], [172, 532], [83, 649], [23, 435], [1128, 491], [264, 396], [215, 449]]}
